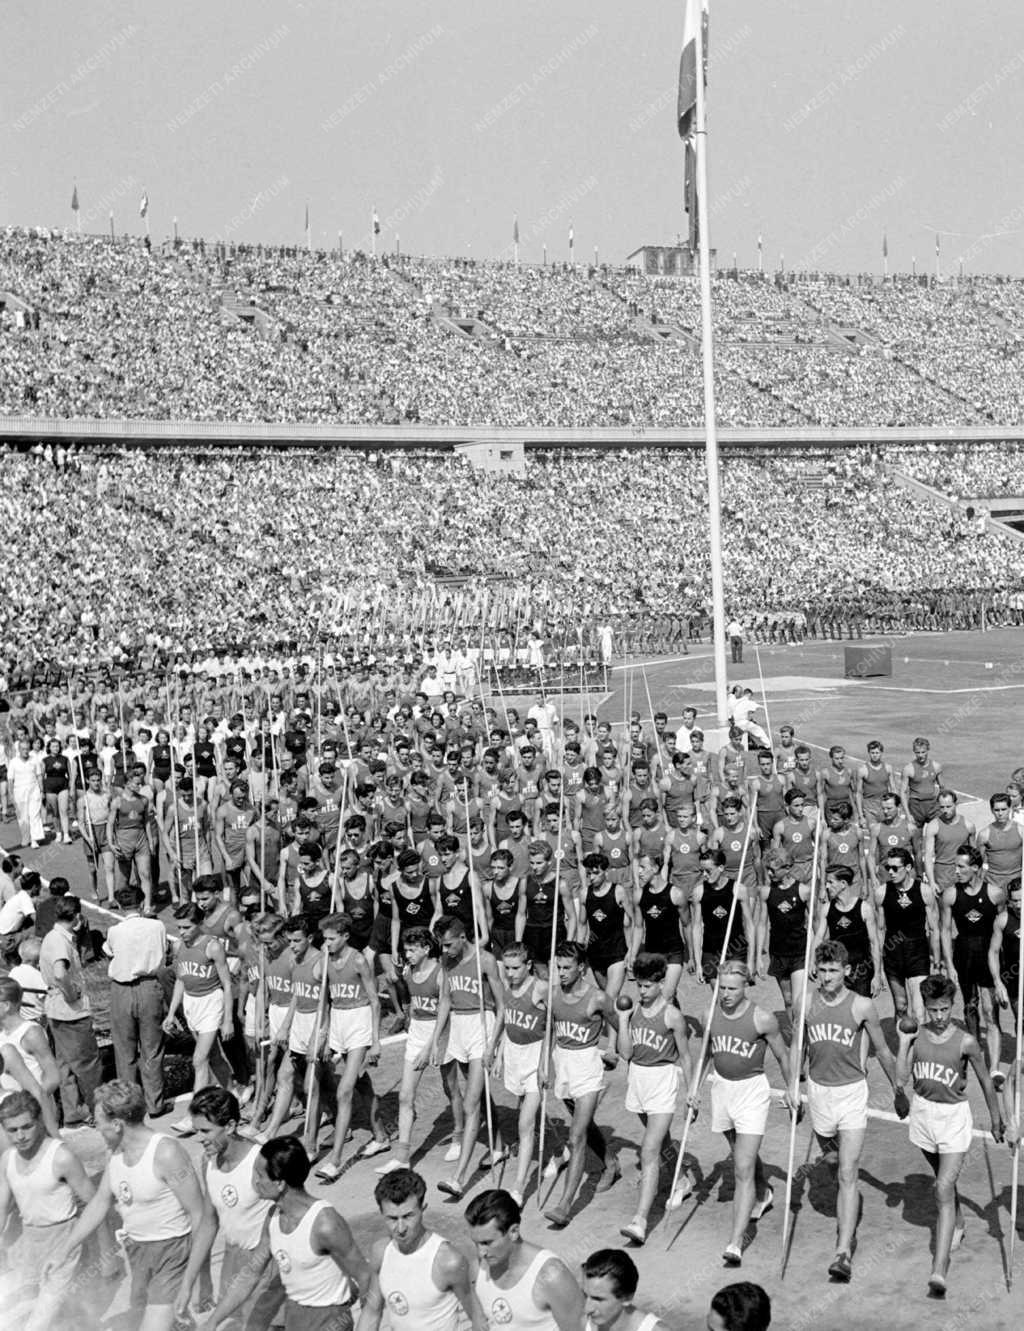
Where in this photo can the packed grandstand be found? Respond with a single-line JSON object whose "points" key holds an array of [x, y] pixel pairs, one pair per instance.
{"points": [[180, 551]]}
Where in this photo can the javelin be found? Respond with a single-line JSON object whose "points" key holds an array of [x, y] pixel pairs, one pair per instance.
{"points": [[764, 695], [676, 1196], [477, 936], [797, 1052], [545, 1053], [1015, 1170]]}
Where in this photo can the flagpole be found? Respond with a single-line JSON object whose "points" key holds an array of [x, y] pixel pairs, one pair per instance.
{"points": [[711, 448], [760, 254], [373, 232]]}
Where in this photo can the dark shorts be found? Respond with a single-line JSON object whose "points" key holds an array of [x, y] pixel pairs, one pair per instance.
{"points": [[601, 958], [380, 934], [922, 811], [537, 938], [157, 1270], [500, 940], [784, 965], [299, 1317], [970, 961], [907, 958], [862, 972], [261, 1307], [673, 957]]}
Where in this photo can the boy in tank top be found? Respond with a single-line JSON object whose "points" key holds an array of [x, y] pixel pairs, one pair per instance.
{"points": [[520, 1286], [935, 1057], [422, 1280]]}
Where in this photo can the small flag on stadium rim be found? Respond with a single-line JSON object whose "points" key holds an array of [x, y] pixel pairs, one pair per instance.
{"points": [[144, 204], [936, 242], [515, 230], [74, 199], [686, 107], [376, 223], [570, 235], [885, 246]]}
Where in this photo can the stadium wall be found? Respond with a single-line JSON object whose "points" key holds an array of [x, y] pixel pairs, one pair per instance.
{"points": [[44, 429]]}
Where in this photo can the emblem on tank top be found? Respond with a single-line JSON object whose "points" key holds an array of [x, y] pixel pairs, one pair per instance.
{"points": [[843, 847], [284, 1262], [398, 1303], [501, 1312], [229, 1195], [796, 838], [124, 1193]]}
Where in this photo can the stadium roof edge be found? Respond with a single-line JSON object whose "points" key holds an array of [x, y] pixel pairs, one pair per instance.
{"points": [[32, 429]]}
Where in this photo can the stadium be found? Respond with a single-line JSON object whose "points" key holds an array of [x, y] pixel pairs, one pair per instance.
{"points": [[340, 576]]}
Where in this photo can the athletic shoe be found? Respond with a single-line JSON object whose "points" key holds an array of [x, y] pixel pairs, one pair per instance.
{"points": [[841, 1268], [558, 1217], [635, 1231], [487, 1161], [374, 1147], [451, 1189], [556, 1164], [390, 1166], [936, 1286], [764, 1205], [733, 1255], [453, 1153]]}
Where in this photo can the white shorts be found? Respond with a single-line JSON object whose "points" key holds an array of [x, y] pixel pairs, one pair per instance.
{"points": [[578, 1072], [741, 1106], [652, 1090], [941, 1129], [350, 1028], [301, 1033], [204, 1015], [519, 1064], [838, 1108], [274, 1019], [418, 1038], [467, 1037]]}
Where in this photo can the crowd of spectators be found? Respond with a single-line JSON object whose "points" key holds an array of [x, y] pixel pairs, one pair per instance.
{"points": [[98, 328], [110, 553], [965, 471]]}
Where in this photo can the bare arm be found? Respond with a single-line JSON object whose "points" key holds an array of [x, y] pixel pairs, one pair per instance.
{"points": [[451, 1275], [557, 1291]]}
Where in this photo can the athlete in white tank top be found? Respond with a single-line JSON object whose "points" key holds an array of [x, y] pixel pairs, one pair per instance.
{"points": [[41, 1195], [310, 1279], [413, 1300], [149, 1208], [241, 1211], [514, 1306]]}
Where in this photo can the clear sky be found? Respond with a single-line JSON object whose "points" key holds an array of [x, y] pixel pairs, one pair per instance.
{"points": [[830, 122]]}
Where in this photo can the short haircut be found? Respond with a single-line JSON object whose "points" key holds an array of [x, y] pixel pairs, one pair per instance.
{"points": [[618, 1266], [122, 1100], [1000, 797], [128, 897], [540, 848], [449, 924], [340, 922], [595, 860], [570, 951], [515, 952], [419, 936], [216, 1104], [495, 1204], [298, 924], [777, 858], [206, 882], [189, 914], [842, 809], [20, 1102], [650, 966], [734, 966], [831, 953], [899, 853], [801, 749], [841, 871], [935, 987], [713, 853], [731, 802], [11, 991], [58, 886], [67, 908], [287, 1161], [743, 1307], [972, 853], [793, 795], [399, 1186]]}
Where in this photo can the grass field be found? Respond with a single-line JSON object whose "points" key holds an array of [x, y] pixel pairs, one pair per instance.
{"points": [[960, 690]]}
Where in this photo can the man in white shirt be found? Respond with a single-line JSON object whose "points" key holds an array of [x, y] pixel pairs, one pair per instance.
{"points": [[27, 791], [743, 718], [137, 948], [18, 912], [544, 713]]}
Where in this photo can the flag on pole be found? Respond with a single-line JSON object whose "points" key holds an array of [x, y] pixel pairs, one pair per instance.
{"points": [[570, 237], [74, 198], [309, 244], [144, 204], [936, 244], [515, 230], [686, 107], [376, 223], [885, 246]]}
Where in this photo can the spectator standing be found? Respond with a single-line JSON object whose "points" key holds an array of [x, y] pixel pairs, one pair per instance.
{"points": [[137, 948], [69, 1014]]}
